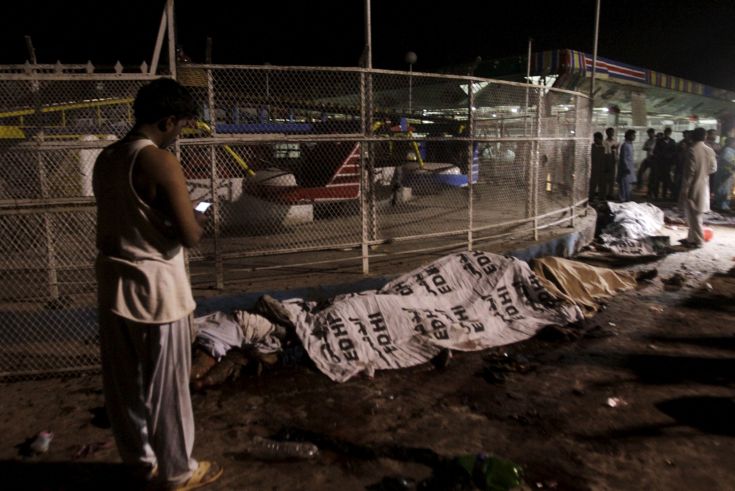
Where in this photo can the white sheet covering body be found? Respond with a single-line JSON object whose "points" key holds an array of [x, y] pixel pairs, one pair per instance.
{"points": [[464, 301]]}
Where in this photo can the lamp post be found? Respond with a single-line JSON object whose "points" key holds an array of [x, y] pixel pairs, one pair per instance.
{"points": [[410, 59], [594, 54]]}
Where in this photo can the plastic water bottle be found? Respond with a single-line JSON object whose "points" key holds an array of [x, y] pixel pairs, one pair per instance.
{"points": [[267, 449]]}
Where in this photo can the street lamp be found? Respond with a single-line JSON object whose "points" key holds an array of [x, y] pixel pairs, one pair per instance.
{"points": [[410, 59]]}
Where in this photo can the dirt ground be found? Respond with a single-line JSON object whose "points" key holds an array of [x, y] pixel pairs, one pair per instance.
{"points": [[663, 356]]}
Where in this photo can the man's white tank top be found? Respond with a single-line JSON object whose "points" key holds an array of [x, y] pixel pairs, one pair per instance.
{"points": [[140, 267]]}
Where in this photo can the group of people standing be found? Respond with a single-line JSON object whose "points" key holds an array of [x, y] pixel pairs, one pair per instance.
{"points": [[612, 162], [685, 171], [665, 161]]}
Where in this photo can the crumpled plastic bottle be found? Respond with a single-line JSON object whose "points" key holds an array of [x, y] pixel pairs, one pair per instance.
{"points": [[267, 449]]}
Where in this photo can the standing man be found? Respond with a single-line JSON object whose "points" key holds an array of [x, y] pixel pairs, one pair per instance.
{"points": [[664, 158], [626, 167], [611, 160], [144, 221], [723, 178], [711, 141], [597, 172], [694, 197], [646, 164], [682, 157]]}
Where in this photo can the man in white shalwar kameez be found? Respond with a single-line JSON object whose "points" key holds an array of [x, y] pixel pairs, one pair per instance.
{"points": [[694, 195]]}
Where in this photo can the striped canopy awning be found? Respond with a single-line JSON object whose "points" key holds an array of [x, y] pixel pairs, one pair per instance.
{"points": [[562, 61]]}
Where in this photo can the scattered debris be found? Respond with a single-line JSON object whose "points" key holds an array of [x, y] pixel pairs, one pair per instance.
{"points": [[35, 445], [89, 449], [656, 308], [267, 449], [616, 402], [499, 364], [42, 441], [547, 485], [674, 282]]}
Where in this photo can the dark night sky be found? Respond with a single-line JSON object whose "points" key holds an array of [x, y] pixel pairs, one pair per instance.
{"points": [[694, 40]]}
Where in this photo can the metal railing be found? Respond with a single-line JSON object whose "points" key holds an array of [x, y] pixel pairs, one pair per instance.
{"points": [[306, 166]]}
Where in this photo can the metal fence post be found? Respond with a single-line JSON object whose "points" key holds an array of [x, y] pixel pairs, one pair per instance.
{"points": [[218, 266], [373, 219], [470, 161], [363, 174], [573, 179], [48, 228], [535, 161], [171, 33], [530, 168]]}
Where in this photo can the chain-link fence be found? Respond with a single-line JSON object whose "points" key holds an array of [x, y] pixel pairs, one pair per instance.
{"points": [[305, 167]]}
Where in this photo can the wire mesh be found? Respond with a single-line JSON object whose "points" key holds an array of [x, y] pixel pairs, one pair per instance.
{"points": [[303, 165]]}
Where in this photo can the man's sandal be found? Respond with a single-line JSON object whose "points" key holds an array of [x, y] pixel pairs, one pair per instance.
{"points": [[206, 473]]}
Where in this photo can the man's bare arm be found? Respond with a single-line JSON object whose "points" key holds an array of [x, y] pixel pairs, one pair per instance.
{"points": [[163, 170]]}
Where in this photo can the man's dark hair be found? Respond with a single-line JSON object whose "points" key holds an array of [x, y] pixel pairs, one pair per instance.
{"points": [[667, 130], [650, 130], [698, 134], [609, 131], [162, 98], [597, 135], [629, 134]]}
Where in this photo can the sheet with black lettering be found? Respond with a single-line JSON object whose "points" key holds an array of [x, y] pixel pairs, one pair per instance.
{"points": [[464, 301]]}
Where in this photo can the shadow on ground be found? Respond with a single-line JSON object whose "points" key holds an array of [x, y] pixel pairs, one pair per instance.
{"points": [[58, 476], [672, 369], [706, 414]]}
